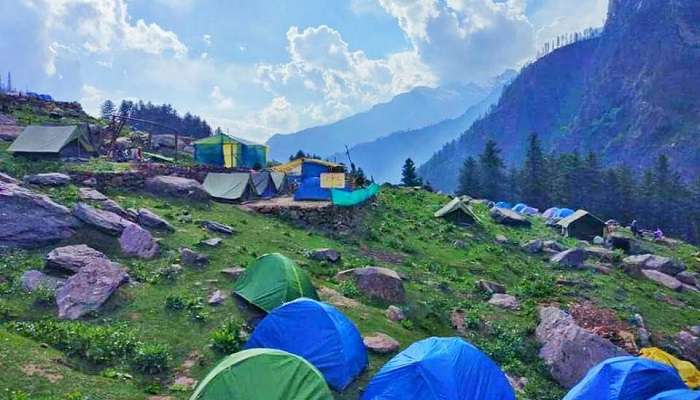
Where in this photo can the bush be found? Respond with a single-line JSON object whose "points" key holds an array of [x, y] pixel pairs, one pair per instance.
{"points": [[193, 305], [349, 289], [227, 339], [43, 296], [151, 358]]}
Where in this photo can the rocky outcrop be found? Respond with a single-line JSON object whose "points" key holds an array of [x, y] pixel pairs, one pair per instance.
{"points": [[176, 187], [689, 345], [505, 301], [533, 246], [330, 255], [90, 194], [191, 258], [663, 279], [216, 298], [381, 343], [572, 258], [88, 289], [48, 179], [32, 280], [689, 278], [151, 220], [71, 259], [568, 350], [31, 220], [634, 264], [218, 227], [600, 253], [138, 242], [105, 221], [4, 178], [394, 313], [490, 287], [376, 282], [508, 217]]}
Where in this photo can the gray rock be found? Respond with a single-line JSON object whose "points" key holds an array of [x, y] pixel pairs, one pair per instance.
{"points": [[191, 258], [508, 217], [380, 283], [138, 242], [31, 220], [500, 239], [663, 279], [106, 221], [48, 179], [212, 242], [330, 255], [598, 240], [151, 220], [533, 246], [90, 194], [568, 350], [572, 258], [394, 313], [689, 345], [504, 301], [88, 289], [216, 298], [689, 278], [174, 186], [8, 179], [381, 343], [233, 272], [553, 245], [600, 253], [490, 287], [71, 259], [114, 207], [218, 227], [633, 265], [32, 280], [695, 330]]}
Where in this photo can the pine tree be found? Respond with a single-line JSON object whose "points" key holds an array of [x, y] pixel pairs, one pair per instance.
{"points": [[108, 108], [469, 180], [409, 177], [491, 172], [534, 175], [590, 184]]}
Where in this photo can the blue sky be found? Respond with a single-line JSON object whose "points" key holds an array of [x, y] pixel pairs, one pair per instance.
{"points": [[263, 67]]}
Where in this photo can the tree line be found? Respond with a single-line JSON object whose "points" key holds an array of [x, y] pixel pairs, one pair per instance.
{"points": [[658, 197], [164, 114]]}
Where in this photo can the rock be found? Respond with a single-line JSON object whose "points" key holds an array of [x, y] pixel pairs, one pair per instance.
{"points": [[553, 245], [518, 384], [568, 350], [92, 182], [233, 272], [105, 221], [457, 321], [138, 242], [33, 279], [330, 255], [381, 343], [598, 240], [689, 346], [90, 194], [533, 246], [689, 278], [572, 258], [333, 297], [89, 288], [663, 279], [600, 253], [695, 330], [191, 258], [218, 227], [216, 298], [504, 301], [114, 207], [459, 244], [642, 332], [500, 239], [490, 287], [31, 220], [212, 242], [633, 265], [394, 313], [48, 179], [174, 186], [508, 217], [183, 382], [604, 269], [8, 179], [71, 259], [151, 220], [380, 283]]}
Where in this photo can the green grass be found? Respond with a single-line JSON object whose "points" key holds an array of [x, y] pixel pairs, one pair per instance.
{"points": [[400, 227]]}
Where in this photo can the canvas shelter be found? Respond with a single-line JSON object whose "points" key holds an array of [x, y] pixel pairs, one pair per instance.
{"points": [[503, 204], [457, 211], [320, 334], [263, 184], [263, 374], [626, 378], [236, 186], [550, 212], [279, 179], [228, 151], [582, 225], [273, 280], [678, 394], [688, 372], [308, 167], [440, 369], [53, 141]]}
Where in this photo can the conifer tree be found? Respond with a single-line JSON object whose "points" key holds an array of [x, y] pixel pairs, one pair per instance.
{"points": [[533, 183], [409, 177], [491, 172], [469, 180], [108, 108]]}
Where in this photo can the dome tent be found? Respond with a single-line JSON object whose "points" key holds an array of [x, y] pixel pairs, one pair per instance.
{"points": [[272, 280], [678, 394], [320, 334], [440, 368], [263, 374], [626, 378]]}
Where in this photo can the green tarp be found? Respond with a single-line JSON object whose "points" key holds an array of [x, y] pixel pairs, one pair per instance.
{"points": [[233, 186], [246, 154], [344, 198], [49, 139], [263, 374], [273, 280]]}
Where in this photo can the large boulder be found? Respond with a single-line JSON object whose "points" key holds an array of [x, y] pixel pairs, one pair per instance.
{"points": [[71, 259], [572, 258], [8, 179], [568, 350], [32, 280], [88, 289], [90, 194], [381, 343], [218, 227], [48, 179], [490, 286], [105, 221], [175, 186], [634, 264], [689, 278], [330, 255], [533, 246], [600, 253], [30, 220], [151, 220], [505, 301], [663, 279], [508, 217], [380, 283], [689, 346], [138, 242]]}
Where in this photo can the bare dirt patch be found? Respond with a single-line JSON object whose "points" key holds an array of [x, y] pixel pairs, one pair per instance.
{"points": [[42, 371]]}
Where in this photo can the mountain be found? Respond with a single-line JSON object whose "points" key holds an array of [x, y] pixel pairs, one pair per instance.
{"points": [[383, 158], [629, 95], [419, 107]]}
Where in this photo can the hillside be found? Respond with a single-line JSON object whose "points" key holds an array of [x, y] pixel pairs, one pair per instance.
{"points": [[629, 95], [383, 158], [420, 107], [163, 310]]}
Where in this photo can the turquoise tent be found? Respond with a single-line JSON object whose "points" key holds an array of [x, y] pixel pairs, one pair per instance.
{"points": [[223, 150]]}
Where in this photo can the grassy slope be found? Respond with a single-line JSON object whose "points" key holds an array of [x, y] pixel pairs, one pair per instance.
{"points": [[440, 278]]}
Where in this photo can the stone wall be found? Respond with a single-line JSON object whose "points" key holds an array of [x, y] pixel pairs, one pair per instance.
{"points": [[328, 218]]}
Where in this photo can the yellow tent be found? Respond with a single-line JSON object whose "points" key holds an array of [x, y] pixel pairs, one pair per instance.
{"points": [[686, 369]]}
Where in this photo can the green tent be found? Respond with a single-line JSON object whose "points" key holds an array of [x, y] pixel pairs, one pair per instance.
{"points": [[230, 187], [457, 211], [582, 225], [263, 374], [63, 141], [273, 280]]}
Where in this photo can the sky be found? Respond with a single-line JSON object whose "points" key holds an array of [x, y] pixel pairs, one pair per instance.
{"points": [[256, 68]]}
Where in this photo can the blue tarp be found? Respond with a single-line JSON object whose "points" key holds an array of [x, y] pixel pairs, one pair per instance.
{"points": [[519, 207], [317, 332], [313, 170], [503, 204], [563, 213], [440, 369], [310, 189], [626, 378], [679, 394]]}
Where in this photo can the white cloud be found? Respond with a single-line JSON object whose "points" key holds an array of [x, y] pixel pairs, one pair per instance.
{"points": [[221, 102], [206, 38], [556, 17], [279, 116], [204, 55], [91, 99]]}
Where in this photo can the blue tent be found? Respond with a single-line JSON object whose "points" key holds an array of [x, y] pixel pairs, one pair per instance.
{"points": [[310, 189], [503, 204], [563, 213], [519, 207], [678, 394], [626, 378], [550, 212], [317, 332], [440, 369], [529, 211]]}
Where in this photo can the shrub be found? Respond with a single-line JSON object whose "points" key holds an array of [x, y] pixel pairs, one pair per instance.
{"points": [[151, 358], [175, 302], [193, 305], [43, 296], [227, 339], [349, 289]]}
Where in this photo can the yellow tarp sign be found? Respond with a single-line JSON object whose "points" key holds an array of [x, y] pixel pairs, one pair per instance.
{"points": [[686, 369], [333, 180]]}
